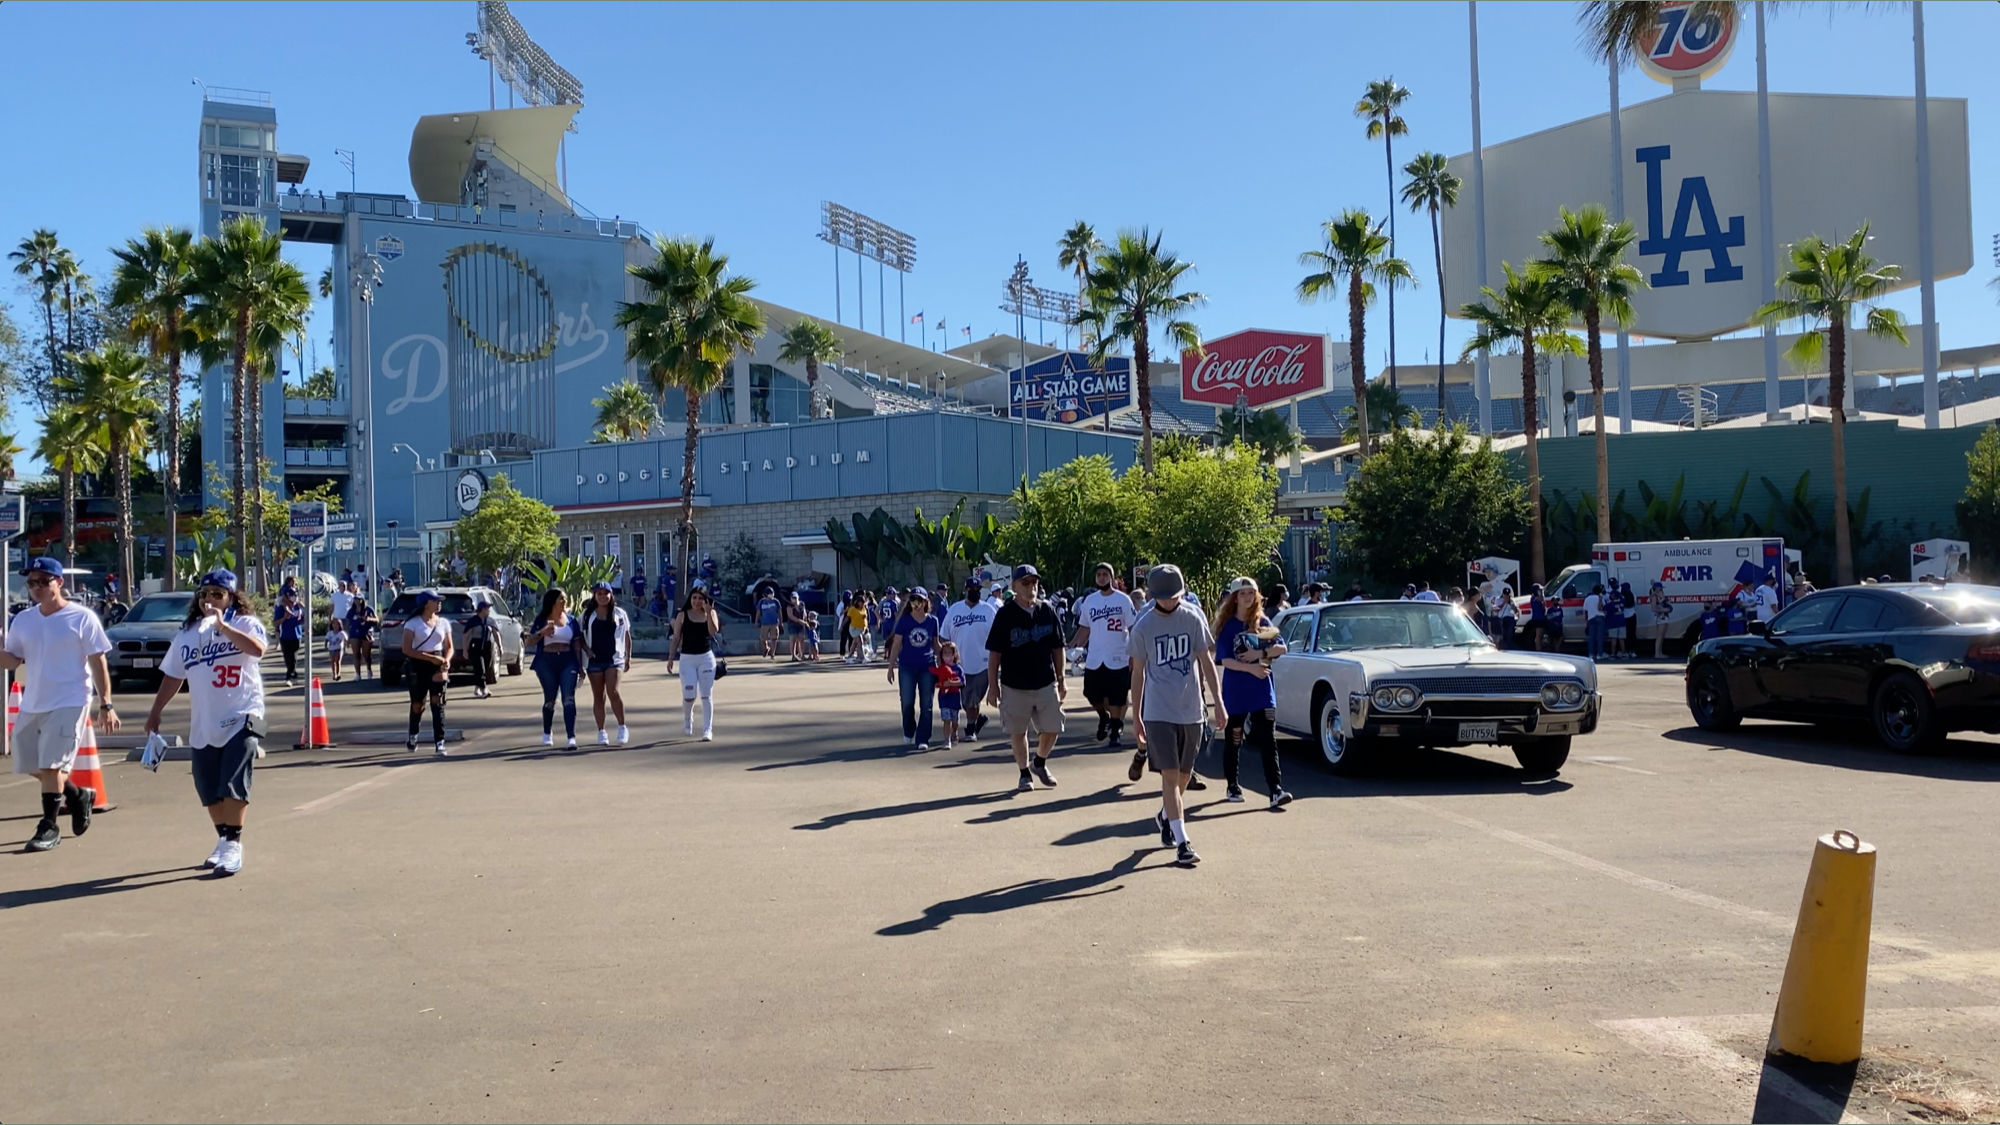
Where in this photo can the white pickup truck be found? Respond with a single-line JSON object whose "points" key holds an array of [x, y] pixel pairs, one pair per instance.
{"points": [[1695, 573]]}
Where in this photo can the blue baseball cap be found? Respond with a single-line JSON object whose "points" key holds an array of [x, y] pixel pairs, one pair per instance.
{"points": [[221, 579], [602, 587], [428, 596], [1026, 571], [45, 564]]}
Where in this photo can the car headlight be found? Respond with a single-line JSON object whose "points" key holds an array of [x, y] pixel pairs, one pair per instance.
{"points": [[1562, 695], [1396, 698], [1572, 694]]}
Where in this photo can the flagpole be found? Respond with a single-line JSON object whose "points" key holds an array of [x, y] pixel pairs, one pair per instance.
{"points": [[902, 333]]}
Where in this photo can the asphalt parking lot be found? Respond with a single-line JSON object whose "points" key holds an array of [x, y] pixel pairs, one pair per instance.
{"points": [[804, 920]]}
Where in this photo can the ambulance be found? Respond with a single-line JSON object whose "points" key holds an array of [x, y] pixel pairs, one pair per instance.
{"points": [[1695, 573]]}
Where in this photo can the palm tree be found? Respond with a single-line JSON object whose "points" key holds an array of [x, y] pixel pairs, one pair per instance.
{"points": [[111, 392], [693, 322], [1268, 431], [1826, 283], [1129, 290], [155, 281], [809, 342], [41, 259], [1587, 264], [1378, 106], [627, 412], [1432, 188], [1356, 254], [10, 448], [1074, 252], [1386, 411], [239, 278], [71, 443], [281, 318], [1527, 313]]}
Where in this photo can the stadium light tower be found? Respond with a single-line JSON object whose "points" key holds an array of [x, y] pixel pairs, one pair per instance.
{"points": [[528, 70], [847, 229]]}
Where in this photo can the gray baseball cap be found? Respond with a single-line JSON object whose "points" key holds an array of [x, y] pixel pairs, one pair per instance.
{"points": [[1165, 581]]}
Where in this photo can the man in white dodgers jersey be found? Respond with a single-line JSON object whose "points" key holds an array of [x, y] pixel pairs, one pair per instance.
{"points": [[1104, 619]]}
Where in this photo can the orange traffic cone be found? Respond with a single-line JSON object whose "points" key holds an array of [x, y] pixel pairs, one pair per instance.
{"points": [[13, 706], [316, 733], [87, 771]]}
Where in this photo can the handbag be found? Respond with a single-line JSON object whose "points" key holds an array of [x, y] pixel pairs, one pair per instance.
{"points": [[721, 667]]}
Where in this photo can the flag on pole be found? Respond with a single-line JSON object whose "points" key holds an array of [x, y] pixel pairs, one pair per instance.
{"points": [[968, 331], [940, 324], [917, 319]]}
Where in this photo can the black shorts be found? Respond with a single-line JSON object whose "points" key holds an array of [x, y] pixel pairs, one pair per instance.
{"points": [[1108, 687], [223, 772], [420, 679]]}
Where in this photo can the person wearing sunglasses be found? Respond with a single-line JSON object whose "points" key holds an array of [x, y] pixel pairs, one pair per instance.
{"points": [[217, 654], [62, 644]]}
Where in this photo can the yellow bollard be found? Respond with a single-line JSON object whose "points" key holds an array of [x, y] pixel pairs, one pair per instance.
{"points": [[1825, 994]]}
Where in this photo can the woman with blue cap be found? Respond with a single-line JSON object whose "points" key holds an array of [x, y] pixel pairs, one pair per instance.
{"points": [[217, 653], [427, 651], [607, 644]]}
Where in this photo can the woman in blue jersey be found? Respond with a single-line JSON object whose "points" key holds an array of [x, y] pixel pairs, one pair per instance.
{"points": [[1245, 646]]}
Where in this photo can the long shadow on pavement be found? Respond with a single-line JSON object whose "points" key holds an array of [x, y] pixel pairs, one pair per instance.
{"points": [[911, 808], [90, 888], [1034, 892], [1849, 748], [1104, 796], [1416, 772]]}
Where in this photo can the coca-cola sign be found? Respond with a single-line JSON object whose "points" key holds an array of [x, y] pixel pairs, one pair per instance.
{"points": [[1267, 368]]}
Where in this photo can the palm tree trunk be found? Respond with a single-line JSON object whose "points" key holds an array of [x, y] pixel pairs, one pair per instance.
{"points": [[1596, 353], [812, 387], [257, 471], [687, 484], [1142, 370], [69, 513], [1531, 426], [1836, 387], [1389, 163], [1357, 361], [173, 465], [121, 457], [1437, 251], [55, 363], [237, 535]]}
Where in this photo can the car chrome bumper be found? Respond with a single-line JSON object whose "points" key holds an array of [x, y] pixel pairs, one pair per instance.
{"points": [[1510, 723]]}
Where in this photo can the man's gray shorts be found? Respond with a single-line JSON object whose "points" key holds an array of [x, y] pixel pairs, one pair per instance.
{"points": [[46, 740], [975, 689], [1031, 712], [1172, 746]]}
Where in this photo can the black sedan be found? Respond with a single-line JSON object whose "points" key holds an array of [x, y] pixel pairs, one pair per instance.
{"points": [[1916, 660]]}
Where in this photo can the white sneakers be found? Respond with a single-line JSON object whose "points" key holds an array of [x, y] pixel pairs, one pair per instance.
{"points": [[624, 734], [229, 857], [603, 739], [708, 736], [687, 726], [548, 739], [215, 856], [439, 750], [572, 744]]}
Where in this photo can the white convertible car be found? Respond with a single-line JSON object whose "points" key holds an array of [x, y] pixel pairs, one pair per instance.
{"points": [[1362, 678]]}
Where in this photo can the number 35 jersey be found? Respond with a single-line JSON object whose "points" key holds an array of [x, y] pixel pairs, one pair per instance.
{"points": [[225, 687]]}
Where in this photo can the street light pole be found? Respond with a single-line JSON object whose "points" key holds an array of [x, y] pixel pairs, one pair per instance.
{"points": [[367, 277], [423, 546]]}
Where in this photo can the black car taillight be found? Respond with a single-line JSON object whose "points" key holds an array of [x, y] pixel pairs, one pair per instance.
{"points": [[1985, 650]]}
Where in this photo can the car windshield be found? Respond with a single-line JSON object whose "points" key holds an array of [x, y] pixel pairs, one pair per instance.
{"points": [[160, 607], [1962, 605], [1395, 625], [454, 605]]}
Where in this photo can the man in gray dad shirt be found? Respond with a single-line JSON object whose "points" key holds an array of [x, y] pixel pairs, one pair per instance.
{"points": [[1173, 662]]}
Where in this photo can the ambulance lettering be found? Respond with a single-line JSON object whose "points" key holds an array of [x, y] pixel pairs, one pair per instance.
{"points": [[1687, 574]]}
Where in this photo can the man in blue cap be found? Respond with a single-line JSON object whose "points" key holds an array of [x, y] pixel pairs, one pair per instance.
{"points": [[63, 644]]}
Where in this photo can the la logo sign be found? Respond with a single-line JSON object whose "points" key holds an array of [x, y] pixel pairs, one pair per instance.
{"points": [[1682, 44]]}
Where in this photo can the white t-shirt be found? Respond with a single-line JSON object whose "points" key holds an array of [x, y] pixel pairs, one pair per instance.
{"points": [[342, 601], [1593, 607], [1426, 596], [430, 637], [967, 627], [1109, 616], [56, 647], [1767, 603], [224, 683]]}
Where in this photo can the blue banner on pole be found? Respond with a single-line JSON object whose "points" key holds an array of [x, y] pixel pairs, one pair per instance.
{"points": [[1067, 387]]}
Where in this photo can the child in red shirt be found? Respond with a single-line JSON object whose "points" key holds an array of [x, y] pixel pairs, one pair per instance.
{"points": [[950, 682]]}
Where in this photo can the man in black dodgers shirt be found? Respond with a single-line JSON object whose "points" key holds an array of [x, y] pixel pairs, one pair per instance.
{"points": [[1025, 648]]}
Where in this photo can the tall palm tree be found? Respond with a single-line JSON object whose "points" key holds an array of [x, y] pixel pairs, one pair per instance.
{"points": [[627, 412], [693, 322], [1386, 411], [1826, 283], [1131, 289], [112, 392], [1527, 314], [1586, 261], [281, 318], [39, 258], [237, 280], [71, 443], [154, 280], [1356, 254], [1378, 106], [809, 342], [1432, 188], [1074, 252]]}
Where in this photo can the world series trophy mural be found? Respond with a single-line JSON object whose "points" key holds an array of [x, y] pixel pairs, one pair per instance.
{"points": [[501, 337]]}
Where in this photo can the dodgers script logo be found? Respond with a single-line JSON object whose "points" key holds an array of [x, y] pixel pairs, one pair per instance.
{"points": [[1174, 651], [1113, 621], [1713, 238], [961, 620]]}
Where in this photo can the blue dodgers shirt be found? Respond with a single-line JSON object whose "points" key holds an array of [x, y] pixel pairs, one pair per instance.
{"points": [[1242, 693], [767, 610], [919, 638]]}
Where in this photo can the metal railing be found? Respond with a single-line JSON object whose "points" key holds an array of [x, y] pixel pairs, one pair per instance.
{"points": [[317, 408], [316, 458]]}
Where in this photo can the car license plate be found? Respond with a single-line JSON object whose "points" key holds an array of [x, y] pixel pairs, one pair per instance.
{"points": [[1478, 732], [142, 662]]}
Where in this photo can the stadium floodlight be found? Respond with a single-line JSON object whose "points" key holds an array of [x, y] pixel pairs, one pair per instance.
{"points": [[525, 67], [848, 229]]}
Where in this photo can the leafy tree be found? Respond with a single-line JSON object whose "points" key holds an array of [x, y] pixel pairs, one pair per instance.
{"points": [[1527, 313], [1074, 251], [154, 282], [1433, 188], [72, 442], [1423, 505], [1357, 254], [1269, 432], [1069, 519], [10, 359], [111, 390], [876, 542], [1979, 509], [627, 412], [1386, 411], [53, 272], [10, 448], [809, 342], [1378, 106], [693, 322], [1213, 516], [1587, 264], [1131, 289], [507, 530], [573, 576], [1826, 283], [319, 386], [741, 562]]}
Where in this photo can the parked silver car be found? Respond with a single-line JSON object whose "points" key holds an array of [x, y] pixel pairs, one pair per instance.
{"points": [[460, 603], [141, 639]]}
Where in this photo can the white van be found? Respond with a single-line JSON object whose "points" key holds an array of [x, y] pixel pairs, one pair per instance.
{"points": [[1695, 572]]}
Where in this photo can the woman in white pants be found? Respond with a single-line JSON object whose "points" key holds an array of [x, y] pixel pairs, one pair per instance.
{"points": [[697, 629]]}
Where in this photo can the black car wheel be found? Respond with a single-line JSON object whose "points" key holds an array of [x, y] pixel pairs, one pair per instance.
{"points": [[1544, 757], [1708, 699], [1905, 718]]}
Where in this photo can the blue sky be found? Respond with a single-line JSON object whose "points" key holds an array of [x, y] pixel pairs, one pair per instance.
{"points": [[982, 129]]}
